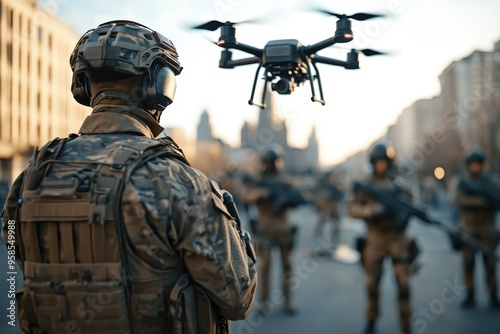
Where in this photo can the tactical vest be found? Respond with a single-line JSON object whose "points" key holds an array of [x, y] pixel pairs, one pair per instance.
{"points": [[81, 272]]}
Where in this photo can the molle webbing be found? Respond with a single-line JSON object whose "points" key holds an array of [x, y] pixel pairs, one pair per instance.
{"points": [[75, 245]]}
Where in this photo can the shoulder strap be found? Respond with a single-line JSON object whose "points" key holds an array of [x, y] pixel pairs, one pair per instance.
{"points": [[34, 174]]}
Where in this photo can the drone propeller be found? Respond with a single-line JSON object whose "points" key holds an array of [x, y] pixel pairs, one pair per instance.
{"points": [[357, 16], [370, 52], [366, 52], [214, 24]]}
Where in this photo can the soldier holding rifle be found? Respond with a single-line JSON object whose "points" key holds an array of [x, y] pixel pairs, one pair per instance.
{"points": [[385, 237], [273, 195], [477, 194]]}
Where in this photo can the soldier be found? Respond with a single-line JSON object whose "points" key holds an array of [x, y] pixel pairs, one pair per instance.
{"points": [[328, 196], [273, 226], [385, 237], [477, 219], [115, 232]]}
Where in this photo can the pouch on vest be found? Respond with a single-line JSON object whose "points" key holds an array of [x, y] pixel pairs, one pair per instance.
{"points": [[77, 276]]}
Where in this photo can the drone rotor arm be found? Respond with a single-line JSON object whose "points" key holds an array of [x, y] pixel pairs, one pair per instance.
{"points": [[242, 47], [244, 61], [329, 61], [312, 49]]}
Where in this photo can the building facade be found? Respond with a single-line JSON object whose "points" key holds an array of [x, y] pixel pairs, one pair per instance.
{"points": [[36, 103]]}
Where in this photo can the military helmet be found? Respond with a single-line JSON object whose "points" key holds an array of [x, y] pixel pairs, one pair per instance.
{"points": [[382, 152], [119, 49], [475, 155], [272, 153]]}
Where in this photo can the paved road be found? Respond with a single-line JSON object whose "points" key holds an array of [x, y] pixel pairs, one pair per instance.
{"points": [[331, 296]]}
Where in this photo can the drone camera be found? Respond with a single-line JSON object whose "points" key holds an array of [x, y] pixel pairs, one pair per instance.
{"points": [[283, 86]]}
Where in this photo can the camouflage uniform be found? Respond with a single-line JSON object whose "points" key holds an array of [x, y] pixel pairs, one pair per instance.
{"points": [[327, 206], [272, 228], [384, 238], [477, 220], [180, 235]]}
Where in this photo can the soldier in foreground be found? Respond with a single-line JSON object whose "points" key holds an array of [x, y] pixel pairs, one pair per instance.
{"points": [[273, 227], [473, 192], [115, 232], [385, 237]]}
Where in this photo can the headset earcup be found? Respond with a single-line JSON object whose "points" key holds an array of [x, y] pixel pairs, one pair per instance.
{"points": [[160, 90], [81, 89]]}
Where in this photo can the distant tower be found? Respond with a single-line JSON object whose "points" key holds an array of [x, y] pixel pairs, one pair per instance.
{"points": [[270, 128], [312, 150], [247, 138], [204, 132]]}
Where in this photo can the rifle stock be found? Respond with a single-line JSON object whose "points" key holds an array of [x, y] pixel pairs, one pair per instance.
{"points": [[388, 198]]}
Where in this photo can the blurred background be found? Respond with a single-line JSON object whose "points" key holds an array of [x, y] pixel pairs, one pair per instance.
{"points": [[432, 98]]}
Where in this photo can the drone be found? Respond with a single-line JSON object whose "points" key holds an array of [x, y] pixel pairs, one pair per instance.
{"points": [[287, 63]]}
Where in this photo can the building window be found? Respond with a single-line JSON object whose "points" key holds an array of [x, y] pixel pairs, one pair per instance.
{"points": [[10, 18], [40, 34], [9, 53]]}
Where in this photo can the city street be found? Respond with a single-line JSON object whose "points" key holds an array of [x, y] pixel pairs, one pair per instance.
{"points": [[330, 296]]}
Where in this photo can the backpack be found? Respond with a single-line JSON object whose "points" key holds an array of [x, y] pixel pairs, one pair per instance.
{"points": [[74, 250]]}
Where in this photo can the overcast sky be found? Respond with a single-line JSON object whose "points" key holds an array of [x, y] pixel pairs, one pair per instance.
{"points": [[424, 36]]}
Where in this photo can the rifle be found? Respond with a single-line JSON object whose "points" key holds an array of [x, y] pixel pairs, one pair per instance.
{"points": [[282, 194], [388, 198], [335, 192], [244, 235], [485, 189]]}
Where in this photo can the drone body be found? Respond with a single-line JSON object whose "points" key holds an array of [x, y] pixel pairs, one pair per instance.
{"points": [[286, 62]]}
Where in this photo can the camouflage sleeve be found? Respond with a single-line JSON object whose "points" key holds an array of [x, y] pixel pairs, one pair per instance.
{"points": [[462, 199], [252, 194], [359, 207], [214, 254]]}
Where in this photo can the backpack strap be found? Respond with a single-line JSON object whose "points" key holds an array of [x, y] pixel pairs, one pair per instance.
{"points": [[34, 173]]}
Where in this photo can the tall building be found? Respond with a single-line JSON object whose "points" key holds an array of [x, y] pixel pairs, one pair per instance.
{"points": [[204, 130], [464, 85], [247, 135], [415, 122], [36, 103], [312, 151], [270, 128]]}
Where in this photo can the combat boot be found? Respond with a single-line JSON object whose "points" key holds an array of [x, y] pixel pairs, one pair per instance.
{"points": [[406, 330], [289, 308], [469, 300], [370, 327], [494, 301]]}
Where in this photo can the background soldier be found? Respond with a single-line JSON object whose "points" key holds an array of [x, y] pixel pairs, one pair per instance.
{"points": [[385, 237], [116, 232], [328, 196], [477, 219], [273, 227]]}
